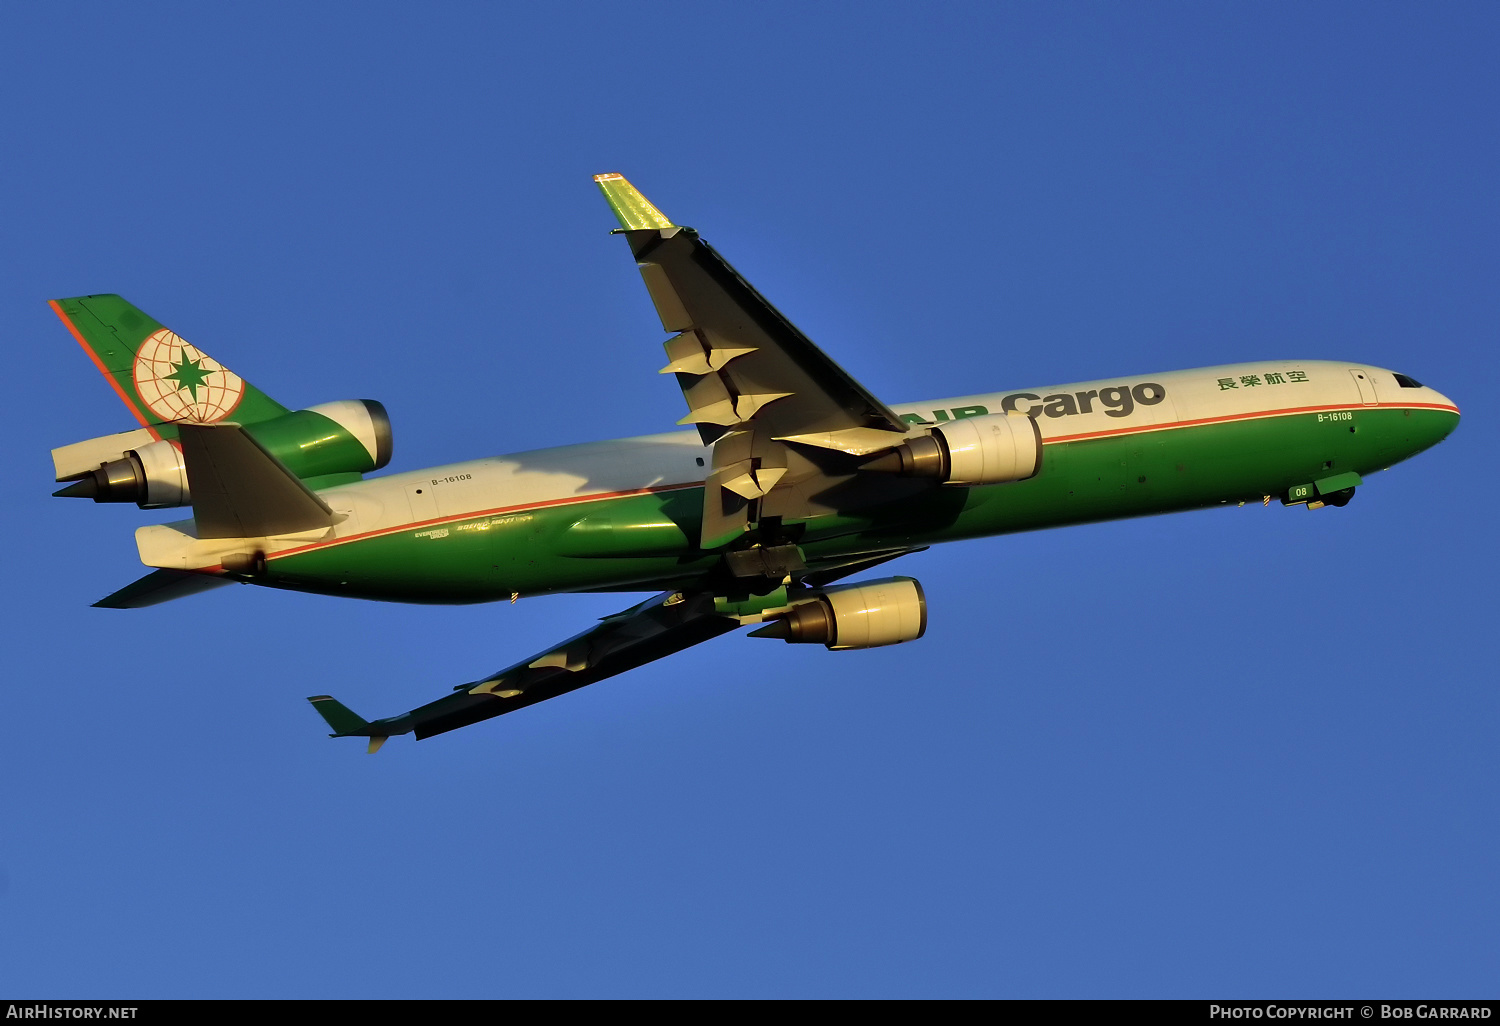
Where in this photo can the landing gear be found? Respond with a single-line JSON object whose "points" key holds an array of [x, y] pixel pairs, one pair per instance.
{"points": [[1300, 494]]}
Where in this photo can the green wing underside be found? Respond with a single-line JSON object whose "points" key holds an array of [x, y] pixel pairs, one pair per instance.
{"points": [[658, 627]]}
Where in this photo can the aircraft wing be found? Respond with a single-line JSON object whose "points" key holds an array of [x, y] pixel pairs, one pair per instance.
{"points": [[783, 418], [660, 626], [790, 430]]}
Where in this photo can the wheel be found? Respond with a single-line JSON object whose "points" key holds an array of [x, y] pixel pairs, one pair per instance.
{"points": [[1340, 497]]}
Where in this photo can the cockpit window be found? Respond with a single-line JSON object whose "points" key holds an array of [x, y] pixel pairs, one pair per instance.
{"points": [[1406, 382]]}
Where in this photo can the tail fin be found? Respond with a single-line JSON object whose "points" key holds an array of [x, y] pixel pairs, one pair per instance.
{"points": [[161, 377]]}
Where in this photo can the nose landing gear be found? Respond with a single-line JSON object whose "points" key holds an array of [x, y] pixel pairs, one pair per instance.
{"points": [[1338, 498], [1335, 491]]}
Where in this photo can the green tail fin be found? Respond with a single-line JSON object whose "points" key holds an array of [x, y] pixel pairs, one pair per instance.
{"points": [[161, 377]]}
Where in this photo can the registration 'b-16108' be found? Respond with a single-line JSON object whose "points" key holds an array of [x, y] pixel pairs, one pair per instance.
{"points": [[788, 478]]}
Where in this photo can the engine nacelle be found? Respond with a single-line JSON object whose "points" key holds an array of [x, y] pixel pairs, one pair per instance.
{"points": [[352, 436], [868, 615], [348, 436], [990, 449], [150, 475]]}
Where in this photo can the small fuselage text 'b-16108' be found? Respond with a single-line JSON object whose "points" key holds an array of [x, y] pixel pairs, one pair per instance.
{"points": [[787, 479]]}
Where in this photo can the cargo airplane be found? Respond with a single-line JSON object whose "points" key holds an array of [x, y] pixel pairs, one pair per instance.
{"points": [[789, 478]]}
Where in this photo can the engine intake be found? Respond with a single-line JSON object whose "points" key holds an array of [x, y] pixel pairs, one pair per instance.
{"points": [[990, 449], [868, 615]]}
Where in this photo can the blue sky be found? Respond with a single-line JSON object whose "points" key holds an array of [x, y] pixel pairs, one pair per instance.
{"points": [[1243, 752]]}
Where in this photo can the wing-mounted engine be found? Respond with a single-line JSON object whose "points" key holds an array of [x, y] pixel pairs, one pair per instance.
{"points": [[990, 449], [349, 437], [865, 615]]}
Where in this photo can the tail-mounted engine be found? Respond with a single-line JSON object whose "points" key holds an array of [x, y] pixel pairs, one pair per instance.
{"points": [[990, 449], [867, 615], [352, 436]]}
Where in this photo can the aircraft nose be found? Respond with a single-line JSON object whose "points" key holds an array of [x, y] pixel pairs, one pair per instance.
{"points": [[1443, 400], [1447, 414]]}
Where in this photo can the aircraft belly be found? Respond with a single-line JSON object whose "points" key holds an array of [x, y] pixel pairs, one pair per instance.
{"points": [[1154, 472], [613, 542], [526, 551]]}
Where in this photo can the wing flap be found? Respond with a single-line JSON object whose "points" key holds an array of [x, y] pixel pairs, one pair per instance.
{"points": [[747, 342], [757, 388], [696, 291]]}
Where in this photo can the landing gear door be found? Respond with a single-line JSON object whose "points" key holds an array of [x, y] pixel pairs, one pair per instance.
{"points": [[1366, 387]]}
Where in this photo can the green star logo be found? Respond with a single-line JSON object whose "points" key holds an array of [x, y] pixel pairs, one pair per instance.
{"points": [[188, 374]]}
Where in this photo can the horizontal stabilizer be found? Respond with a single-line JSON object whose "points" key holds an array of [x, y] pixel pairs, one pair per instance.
{"points": [[160, 586], [241, 491]]}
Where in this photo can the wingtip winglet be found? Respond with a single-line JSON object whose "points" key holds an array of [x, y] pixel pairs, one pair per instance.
{"points": [[340, 717], [347, 723], [634, 211]]}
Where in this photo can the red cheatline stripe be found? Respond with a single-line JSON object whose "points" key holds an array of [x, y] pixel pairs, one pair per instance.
{"points": [[476, 514], [124, 398], [574, 499], [1241, 416]]}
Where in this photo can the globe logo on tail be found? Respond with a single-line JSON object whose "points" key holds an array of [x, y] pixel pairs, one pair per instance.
{"points": [[178, 382]]}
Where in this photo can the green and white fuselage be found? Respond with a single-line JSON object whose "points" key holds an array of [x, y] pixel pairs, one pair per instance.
{"points": [[624, 514], [789, 478]]}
